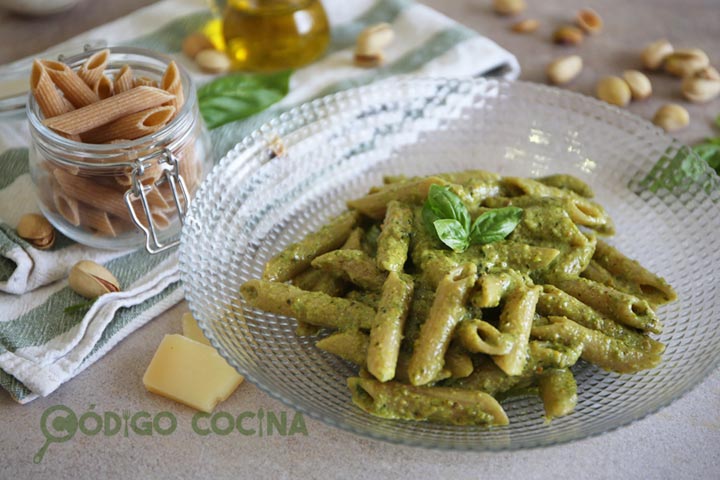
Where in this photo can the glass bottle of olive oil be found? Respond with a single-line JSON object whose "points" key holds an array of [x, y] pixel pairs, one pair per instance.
{"points": [[269, 35]]}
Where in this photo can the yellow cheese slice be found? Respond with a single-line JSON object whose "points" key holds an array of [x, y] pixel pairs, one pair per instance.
{"points": [[190, 373], [192, 330]]}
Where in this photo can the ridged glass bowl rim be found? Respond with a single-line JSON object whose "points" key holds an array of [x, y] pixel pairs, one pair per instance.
{"points": [[281, 125]]}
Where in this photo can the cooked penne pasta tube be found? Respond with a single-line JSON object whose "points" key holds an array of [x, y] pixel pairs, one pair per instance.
{"points": [[318, 281], [555, 355], [516, 321], [374, 205], [92, 70], [350, 345], [446, 312], [394, 239], [581, 210], [315, 308], [606, 352], [595, 272], [477, 336], [297, 257], [67, 207], [103, 88], [436, 404], [355, 265], [387, 327], [653, 288], [622, 307], [355, 240], [172, 83], [555, 302], [75, 90], [568, 182], [558, 391], [458, 362], [46, 95], [487, 377], [492, 288], [306, 330], [105, 111], [131, 127], [124, 80]]}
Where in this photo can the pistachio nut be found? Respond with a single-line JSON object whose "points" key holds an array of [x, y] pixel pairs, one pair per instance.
{"points": [[564, 69], [91, 280], [671, 117], [374, 39], [509, 7], [589, 20], [568, 35], [655, 53], [702, 86], [614, 90], [639, 83], [36, 230], [196, 43], [212, 61], [682, 63], [528, 25]]}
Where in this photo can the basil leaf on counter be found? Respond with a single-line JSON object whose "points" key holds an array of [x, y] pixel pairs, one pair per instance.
{"points": [[495, 225], [237, 96], [452, 233]]}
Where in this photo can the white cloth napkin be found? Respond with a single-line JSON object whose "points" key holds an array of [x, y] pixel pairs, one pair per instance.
{"points": [[41, 346]]}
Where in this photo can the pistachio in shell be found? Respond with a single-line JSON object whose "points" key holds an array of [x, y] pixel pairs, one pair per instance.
{"points": [[36, 230], [91, 280]]}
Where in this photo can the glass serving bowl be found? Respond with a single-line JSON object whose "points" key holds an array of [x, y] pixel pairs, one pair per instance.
{"points": [[297, 171]]}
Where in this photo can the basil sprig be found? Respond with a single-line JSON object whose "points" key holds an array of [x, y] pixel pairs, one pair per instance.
{"points": [[446, 216]]}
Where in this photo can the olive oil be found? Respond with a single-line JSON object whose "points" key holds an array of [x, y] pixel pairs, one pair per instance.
{"points": [[270, 35]]}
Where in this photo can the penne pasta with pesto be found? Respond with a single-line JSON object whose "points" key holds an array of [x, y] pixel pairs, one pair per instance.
{"points": [[454, 292]]}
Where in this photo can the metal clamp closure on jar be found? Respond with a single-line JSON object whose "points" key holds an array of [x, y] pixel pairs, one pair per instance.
{"points": [[171, 176]]}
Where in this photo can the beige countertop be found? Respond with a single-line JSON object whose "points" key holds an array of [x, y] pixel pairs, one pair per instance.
{"points": [[680, 441]]}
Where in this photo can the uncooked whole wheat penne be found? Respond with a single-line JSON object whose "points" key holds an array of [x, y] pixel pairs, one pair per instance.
{"points": [[47, 96], [124, 79], [105, 111], [67, 207], [103, 88], [92, 70], [172, 83], [97, 220], [67, 80], [131, 127]]}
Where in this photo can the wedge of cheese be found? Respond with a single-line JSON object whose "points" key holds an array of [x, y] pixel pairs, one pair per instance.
{"points": [[191, 373], [192, 330]]}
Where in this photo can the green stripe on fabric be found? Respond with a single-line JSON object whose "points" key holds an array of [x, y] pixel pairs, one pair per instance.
{"points": [[45, 322], [344, 36], [17, 390], [9, 240], [126, 315], [13, 163], [225, 137], [122, 318], [169, 37]]}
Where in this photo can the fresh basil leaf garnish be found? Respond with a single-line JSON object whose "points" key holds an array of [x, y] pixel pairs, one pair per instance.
{"points": [[495, 225], [452, 234]]}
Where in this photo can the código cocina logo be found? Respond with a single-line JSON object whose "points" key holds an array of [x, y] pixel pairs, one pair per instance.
{"points": [[60, 424]]}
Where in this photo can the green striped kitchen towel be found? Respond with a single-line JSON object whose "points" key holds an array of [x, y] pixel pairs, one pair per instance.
{"points": [[41, 346]]}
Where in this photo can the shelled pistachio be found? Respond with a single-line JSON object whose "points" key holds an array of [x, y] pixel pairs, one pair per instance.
{"points": [[671, 117]]}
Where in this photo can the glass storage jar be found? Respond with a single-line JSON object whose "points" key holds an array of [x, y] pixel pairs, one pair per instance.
{"points": [[126, 193]]}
